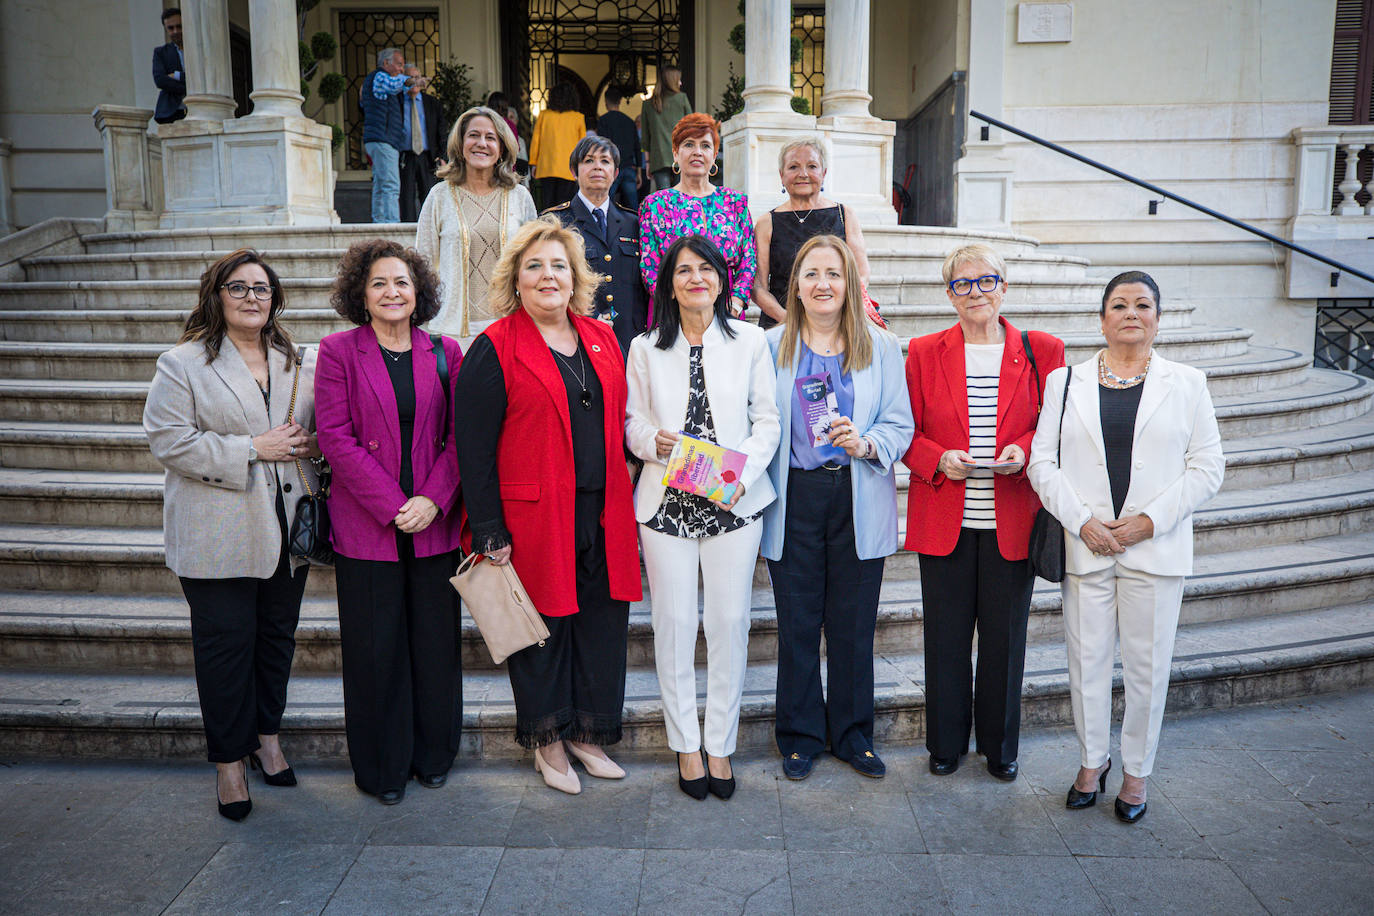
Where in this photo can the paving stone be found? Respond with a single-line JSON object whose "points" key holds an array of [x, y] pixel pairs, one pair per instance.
{"points": [[1163, 833], [1016, 884], [586, 880], [125, 876], [1150, 886], [751, 819], [457, 814], [992, 824], [1212, 773], [690, 881], [1278, 831], [1325, 776], [850, 822], [416, 880], [1352, 820], [285, 878], [1299, 888], [612, 814], [843, 882]]}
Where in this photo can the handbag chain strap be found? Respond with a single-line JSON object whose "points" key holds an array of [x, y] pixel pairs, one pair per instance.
{"points": [[291, 411]]}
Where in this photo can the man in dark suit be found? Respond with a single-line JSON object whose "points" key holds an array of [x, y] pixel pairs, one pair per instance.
{"points": [[425, 140], [617, 127], [611, 234], [169, 71]]}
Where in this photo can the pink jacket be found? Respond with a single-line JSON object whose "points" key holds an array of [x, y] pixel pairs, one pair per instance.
{"points": [[359, 430]]}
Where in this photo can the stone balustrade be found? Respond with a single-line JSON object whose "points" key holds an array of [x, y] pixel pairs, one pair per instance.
{"points": [[1337, 224]]}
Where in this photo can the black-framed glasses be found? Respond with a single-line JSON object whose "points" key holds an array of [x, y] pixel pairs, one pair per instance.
{"points": [[986, 283], [237, 290]]}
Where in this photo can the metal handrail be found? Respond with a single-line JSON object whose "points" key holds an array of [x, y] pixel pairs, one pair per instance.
{"points": [[1239, 224]]}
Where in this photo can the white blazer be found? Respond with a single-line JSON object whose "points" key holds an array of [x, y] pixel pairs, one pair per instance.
{"points": [[1176, 465], [739, 384]]}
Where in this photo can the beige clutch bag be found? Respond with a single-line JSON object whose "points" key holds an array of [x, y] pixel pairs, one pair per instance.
{"points": [[500, 606]]}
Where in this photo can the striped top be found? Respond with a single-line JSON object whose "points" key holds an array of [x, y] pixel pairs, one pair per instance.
{"points": [[983, 367]]}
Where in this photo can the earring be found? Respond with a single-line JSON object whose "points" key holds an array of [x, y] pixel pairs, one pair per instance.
{"points": [[676, 168], [715, 168], [517, 294]]}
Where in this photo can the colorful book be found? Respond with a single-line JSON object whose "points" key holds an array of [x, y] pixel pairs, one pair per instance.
{"points": [[705, 469], [819, 406]]}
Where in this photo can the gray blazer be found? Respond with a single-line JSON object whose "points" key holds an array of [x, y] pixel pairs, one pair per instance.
{"points": [[219, 511]]}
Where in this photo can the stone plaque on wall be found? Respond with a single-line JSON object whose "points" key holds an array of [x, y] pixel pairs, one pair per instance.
{"points": [[1037, 22]]}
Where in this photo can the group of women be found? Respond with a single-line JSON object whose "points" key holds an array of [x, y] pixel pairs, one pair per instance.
{"points": [[513, 444]]}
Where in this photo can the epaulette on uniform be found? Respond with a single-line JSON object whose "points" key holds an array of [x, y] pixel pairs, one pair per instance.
{"points": [[631, 210], [563, 206]]}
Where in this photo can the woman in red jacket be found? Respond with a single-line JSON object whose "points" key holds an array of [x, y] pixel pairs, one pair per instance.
{"points": [[540, 407], [975, 396]]}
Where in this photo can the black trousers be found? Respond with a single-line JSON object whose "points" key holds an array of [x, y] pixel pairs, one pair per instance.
{"points": [[974, 588], [416, 180], [820, 584], [402, 666], [555, 191], [572, 688], [243, 637]]}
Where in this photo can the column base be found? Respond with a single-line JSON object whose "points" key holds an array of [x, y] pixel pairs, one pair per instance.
{"points": [[982, 189], [750, 142], [861, 166], [260, 170]]}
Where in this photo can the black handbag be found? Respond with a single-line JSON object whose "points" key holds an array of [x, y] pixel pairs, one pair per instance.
{"points": [[1046, 548], [310, 529]]}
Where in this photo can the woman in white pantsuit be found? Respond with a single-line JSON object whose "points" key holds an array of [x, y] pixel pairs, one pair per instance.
{"points": [[1139, 453], [699, 372]]}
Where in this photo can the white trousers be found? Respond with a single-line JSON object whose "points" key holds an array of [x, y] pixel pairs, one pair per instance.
{"points": [[1143, 609], [727, 563]]}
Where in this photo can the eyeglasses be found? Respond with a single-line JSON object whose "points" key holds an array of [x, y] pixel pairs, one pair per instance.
{"points": [[238, 290], [986, 283]]}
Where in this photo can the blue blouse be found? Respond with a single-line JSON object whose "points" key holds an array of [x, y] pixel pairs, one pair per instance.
{"points": [[805, 455]]}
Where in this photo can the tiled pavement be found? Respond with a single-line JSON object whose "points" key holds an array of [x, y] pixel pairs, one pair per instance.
{"points": [[1252, 810]]}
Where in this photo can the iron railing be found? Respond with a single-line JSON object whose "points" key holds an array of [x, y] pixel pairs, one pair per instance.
{"points": [[1345, 335]]}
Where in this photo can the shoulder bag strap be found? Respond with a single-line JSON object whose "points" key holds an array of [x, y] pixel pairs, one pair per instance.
{"points": [[441, 363], [1030, 355], [1062, 407]]}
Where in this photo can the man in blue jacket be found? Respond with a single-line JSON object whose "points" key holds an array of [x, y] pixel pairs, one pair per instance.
{"points": [[384, 130], [169, 71]]}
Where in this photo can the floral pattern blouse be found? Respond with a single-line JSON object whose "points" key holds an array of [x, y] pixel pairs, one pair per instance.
{"points": [[722, 216]]}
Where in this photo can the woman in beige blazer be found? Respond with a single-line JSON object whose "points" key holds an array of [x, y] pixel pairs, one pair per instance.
{"points": [[216, 419]]}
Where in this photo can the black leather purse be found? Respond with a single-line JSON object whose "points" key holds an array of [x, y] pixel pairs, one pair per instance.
{"points": [[310, 528], [1046, 549]]}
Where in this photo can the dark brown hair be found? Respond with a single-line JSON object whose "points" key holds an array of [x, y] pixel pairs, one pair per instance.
{"points": [[347, 294], [206, 321]]}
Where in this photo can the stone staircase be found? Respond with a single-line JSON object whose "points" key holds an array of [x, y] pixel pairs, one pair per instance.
{"points": [[95, 654]]}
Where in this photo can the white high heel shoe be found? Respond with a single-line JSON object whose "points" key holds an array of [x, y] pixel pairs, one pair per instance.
{"points": [[600, 767], [563, 782]]}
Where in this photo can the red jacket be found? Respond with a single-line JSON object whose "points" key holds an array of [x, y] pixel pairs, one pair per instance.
{"points": [[535, 464], [937, 382]]}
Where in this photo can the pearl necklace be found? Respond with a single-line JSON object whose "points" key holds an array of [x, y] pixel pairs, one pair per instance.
{"points": [[1106, 376]]}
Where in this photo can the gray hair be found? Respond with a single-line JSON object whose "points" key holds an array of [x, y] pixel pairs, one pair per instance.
{"points": [[972, 254], [589, 143], [384, 55], [792, 146]]}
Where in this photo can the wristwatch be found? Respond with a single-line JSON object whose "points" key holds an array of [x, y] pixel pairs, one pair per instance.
{"points": [[252, 453]]}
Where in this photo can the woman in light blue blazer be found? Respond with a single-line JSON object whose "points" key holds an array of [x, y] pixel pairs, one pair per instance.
{"points": [[840, 383]]}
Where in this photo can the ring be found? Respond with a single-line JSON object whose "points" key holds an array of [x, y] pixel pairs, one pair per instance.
{"points": [[291, 450]]}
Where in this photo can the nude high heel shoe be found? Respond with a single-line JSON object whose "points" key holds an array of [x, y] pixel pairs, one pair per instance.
{"points": [[601, 768], [563, 782]]}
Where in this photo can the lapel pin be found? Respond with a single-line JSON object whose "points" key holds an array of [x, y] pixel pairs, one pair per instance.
{"points": [[596, 348]]}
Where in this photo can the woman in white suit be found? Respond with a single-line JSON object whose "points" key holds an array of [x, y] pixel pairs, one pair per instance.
{"points": [[835, 517], [699, 372], [216, 419], [1139, 452]]}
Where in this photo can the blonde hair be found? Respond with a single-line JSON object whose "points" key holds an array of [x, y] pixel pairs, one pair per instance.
{"points": [[969, 254], [501, 297], [456, 171], [858, 348], [792, 146]]}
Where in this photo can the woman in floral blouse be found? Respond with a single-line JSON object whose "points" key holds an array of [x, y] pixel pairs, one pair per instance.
{"points": [[694, 205]]}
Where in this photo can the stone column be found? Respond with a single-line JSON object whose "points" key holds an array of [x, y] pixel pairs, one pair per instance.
{"points": [[209, 75], [6, 197], [276, 59], [983, 175], [846, 61], [130, 187], [768, 58]]}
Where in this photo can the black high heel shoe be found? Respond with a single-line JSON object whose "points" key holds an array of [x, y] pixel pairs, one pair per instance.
{"points": [[236, 810], [286, 777], [721, 788], [696, 788], [1077, 799]]}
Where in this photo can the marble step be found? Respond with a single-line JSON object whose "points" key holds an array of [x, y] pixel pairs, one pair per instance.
{"points": [[912, 317], [887, 264], [159, 295], [157, 715], [225, 239], [140, 325], [939, 241], [175, 265]]}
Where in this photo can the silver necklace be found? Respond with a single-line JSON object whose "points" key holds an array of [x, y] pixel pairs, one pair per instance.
{"points": [[1107, 375], [394, 357], [581, 376]]}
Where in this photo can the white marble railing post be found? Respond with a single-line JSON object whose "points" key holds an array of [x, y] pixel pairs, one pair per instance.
{"points": [[768, 57], [209, 74], [846, 60], [1339, 229], [276, 59], [131, 193], [1350, 184], [7, 224]]}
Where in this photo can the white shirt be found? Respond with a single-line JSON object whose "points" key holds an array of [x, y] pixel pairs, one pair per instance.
{"points": [[605, 207], [983, 368]]}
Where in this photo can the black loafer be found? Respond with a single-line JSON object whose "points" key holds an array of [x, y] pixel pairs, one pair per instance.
{"points": [[1004, 771], [432, 782], [1128, 812], [942, 767], [868, 764], [797, 766], [391, 796]]}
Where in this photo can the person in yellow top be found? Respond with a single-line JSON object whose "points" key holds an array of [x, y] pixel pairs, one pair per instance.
{"points": [[557, 131]]}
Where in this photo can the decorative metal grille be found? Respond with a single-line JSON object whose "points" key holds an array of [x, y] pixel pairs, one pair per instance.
{"points": [[1345, 335], [361, 35], [808, 71]]}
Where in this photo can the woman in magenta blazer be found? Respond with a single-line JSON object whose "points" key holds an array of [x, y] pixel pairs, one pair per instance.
{"points": [[383, 425], [975, 396]]}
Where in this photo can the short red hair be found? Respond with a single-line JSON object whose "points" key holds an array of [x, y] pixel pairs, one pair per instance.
{"points": [[694, 126]]}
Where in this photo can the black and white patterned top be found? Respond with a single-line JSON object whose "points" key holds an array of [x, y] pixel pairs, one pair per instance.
{"points": [[687, 515], [983, 365]]}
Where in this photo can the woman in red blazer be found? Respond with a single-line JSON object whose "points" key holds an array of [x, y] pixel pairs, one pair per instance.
{"points": [[382, 415], [975, 396], [541, 406]]}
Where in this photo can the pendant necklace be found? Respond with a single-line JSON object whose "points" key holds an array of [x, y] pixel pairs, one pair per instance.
{"points": [[581, 377], [803, 219], [394, 357]]}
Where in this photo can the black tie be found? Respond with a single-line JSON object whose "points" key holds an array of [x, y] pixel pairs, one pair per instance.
{"points": [[600, 219]]}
